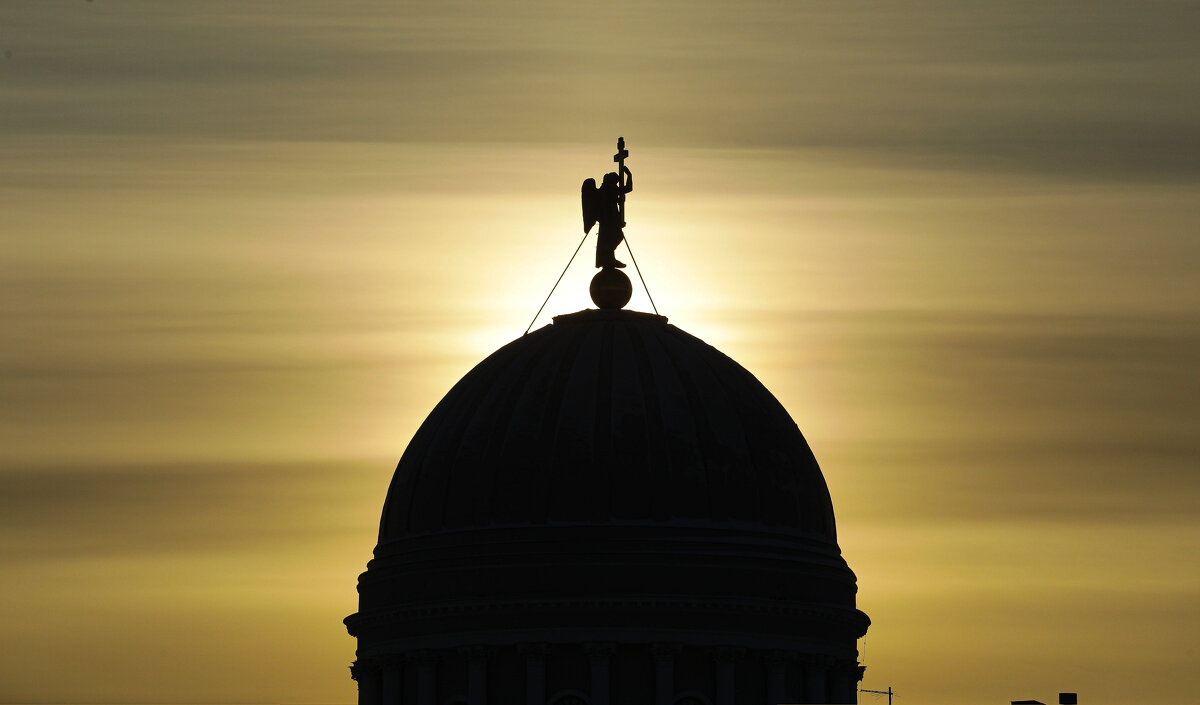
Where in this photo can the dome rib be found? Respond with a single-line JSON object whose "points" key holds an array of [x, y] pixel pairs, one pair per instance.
{"points": [[661, 485], [705, 437], [427, 451], [600, 417], [740, 395], [512, 490], [631, 433], [574, 451]]}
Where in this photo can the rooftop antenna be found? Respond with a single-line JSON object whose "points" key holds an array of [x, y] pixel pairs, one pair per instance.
{"points": [[889, 692]]}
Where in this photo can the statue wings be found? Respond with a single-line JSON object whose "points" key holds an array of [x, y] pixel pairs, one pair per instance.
{"points": [[590, 196]]}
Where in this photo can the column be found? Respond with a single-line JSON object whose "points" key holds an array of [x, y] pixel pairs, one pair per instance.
{"points": [[600, 656], [845, 676], [367, 676], [836, 684], [477, 665], [726, 658], [535, 673], [426, 677], [664, 672], [814, 679], [776, 677], [390, 687]]}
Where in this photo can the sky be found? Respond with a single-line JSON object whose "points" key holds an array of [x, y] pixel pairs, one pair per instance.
{"points": [[247, 246]]}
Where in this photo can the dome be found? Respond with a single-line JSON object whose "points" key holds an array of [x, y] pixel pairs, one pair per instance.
{"points": [[611, 496], [607, 416]]}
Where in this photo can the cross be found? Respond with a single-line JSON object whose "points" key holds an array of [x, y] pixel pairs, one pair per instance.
{"points": [[619, 158]]}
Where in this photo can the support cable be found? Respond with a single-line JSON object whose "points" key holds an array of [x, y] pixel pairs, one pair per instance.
{"points": [[564, 271], [639, 271]]}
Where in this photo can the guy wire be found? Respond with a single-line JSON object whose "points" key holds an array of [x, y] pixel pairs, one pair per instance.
{"points": [[564, 271], [639, 271]]}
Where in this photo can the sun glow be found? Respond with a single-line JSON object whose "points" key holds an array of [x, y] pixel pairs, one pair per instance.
{"points": [[248, 249]]}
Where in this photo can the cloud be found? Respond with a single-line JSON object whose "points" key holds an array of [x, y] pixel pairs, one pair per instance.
{"points": [[136, 512], [1045, 89], [956, 240], [975, 417]]}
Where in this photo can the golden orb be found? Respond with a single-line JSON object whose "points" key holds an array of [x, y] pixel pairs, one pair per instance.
{"points": [[610, 288]]}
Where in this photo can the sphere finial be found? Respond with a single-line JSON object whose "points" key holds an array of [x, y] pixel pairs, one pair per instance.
{"points": [[610, 288]]}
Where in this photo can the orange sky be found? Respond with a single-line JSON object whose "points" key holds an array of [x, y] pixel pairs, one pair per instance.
{"points": [[248, 246]]}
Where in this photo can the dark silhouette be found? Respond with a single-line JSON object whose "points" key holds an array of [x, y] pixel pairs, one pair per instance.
{"points": [[607, 511], [606, 205], [610, 288]]}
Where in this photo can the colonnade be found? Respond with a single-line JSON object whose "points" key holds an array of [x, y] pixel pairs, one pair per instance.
{"points": [[412, 678]]}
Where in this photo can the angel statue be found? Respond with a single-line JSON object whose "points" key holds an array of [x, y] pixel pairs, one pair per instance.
{"points": [[606, 205]]}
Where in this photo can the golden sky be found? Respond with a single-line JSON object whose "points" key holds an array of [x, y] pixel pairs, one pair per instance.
{"points": [[247, 246]]}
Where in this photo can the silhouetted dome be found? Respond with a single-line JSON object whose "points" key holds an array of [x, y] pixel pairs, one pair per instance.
{"points": [[610, 510], [607, 416]]}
